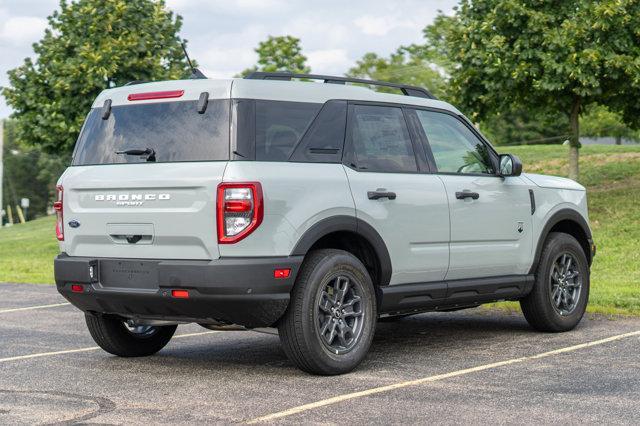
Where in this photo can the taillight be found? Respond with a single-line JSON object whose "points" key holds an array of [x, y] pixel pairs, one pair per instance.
{"points": [[57, 206], [239, 209]]}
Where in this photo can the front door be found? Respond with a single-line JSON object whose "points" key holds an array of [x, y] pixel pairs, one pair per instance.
{"points": [[490, 215], [394, 194]]}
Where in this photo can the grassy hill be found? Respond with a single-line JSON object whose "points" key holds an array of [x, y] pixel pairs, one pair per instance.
{"points": [[610, 173]]}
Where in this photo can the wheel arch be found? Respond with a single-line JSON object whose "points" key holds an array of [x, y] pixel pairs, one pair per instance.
{"points": [[570, 222], [354, 235]]}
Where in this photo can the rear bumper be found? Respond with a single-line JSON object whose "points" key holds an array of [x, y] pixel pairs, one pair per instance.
{"points": [[240, 291]]}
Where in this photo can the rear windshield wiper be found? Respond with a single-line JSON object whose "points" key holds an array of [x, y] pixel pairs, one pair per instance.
{"points": [[147, 152]]}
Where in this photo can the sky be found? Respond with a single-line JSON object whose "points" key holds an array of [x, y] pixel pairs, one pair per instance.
{"points": [[222, 34]]}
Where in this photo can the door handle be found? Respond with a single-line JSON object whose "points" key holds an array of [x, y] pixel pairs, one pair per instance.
{"points": [[376, 195], [467, 194]]}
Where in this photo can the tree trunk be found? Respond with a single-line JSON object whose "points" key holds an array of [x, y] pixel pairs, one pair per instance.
{"points": [[574, 141], [618, 140]]}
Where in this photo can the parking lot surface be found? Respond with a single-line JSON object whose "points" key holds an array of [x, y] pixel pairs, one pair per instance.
{"points": [[474, 366]]}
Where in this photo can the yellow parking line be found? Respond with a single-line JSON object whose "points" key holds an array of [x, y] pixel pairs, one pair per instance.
{"points": [[30, 308], [91, 348], [381, 389]]}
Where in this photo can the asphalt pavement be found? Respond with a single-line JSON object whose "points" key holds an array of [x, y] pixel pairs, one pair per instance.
{"points": [[466, 367]]}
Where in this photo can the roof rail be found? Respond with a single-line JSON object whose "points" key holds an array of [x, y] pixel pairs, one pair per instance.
{"points": [[287, 76]]}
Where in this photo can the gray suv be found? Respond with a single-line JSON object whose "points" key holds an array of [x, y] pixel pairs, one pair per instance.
{"points": [[315, 206]]}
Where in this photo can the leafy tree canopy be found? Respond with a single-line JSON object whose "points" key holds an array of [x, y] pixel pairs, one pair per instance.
{"points": [[518, 126], [282, 53], [88, 46], [547, 55]]}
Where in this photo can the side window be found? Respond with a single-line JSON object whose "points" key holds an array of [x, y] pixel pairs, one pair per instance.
{"points": [[380, 139], [455, 148], [279, 126], [324, 140]]}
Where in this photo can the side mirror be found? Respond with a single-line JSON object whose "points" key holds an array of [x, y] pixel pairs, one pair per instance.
{"points": [[510, 165]]}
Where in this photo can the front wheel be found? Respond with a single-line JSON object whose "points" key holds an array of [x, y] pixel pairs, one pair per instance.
{"points": [[331, 318], [118, 337], [560, 293]]}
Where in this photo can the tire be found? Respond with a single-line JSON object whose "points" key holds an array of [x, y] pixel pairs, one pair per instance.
{"points": [[314, 315], [112, 335], [547, 307]]}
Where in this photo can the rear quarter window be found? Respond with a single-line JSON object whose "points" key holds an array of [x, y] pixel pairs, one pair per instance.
{"points": [[174, 130], [279, 126]]}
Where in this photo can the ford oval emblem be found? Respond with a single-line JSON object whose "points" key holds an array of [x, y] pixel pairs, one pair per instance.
{"points": [[74, 223]]}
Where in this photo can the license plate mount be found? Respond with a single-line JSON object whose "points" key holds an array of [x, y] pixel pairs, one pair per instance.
{"points": [[141, 274]]}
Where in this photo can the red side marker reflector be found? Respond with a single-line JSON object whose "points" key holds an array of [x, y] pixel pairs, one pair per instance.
{"points": [[180, 294], [77, 288], [282, 273], [155, 95]]}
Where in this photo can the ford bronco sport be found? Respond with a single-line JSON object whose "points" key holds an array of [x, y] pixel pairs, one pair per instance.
{"points": [[316, 208]]}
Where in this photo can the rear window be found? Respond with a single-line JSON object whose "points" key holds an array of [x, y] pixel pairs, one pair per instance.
{"points": [[175, 131]]}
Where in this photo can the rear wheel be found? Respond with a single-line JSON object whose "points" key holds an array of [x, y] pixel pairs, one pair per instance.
{"points": [[331, 318], [561, 290], [119, 337]]}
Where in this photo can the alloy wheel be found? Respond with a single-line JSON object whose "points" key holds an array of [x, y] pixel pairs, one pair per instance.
{"points": [[340, 314], [566, 284]]}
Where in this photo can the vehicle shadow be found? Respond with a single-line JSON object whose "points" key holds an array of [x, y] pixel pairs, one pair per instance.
{"points": [[399, 341]]}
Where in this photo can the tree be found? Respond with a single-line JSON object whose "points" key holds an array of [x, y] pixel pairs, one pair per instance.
{"points": [[519, 126], [424, 65], [282, 53], [547, 55], [400, 67], [28, 173], [599, 121], [429, 64], [90, 45]]}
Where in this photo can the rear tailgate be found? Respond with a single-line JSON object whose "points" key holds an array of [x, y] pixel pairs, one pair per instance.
{"points": [[150, 211], [145, 171]]}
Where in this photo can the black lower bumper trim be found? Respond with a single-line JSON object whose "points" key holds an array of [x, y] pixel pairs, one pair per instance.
{"points": [[240, 291]]}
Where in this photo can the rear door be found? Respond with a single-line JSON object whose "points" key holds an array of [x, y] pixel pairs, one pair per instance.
{"points": [[151, 205], [490, 215], [394, 193]]}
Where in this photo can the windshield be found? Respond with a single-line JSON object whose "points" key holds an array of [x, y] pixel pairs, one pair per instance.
{"points": [[175, 131]]}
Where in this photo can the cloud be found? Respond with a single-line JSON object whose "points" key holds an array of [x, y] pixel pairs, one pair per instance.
{"points": [[383, 25], [22, 29], [329, 61]]}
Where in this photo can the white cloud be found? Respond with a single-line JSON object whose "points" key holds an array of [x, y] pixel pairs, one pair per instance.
{"points": [[22, 29], [329, 61], [383, 25]]}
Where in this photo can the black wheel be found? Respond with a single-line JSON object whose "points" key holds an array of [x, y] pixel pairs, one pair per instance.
{"points": [[119, 337], [561, 290], [331, 317]]}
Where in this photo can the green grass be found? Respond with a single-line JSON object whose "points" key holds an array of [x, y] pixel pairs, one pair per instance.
{"points": [[27, 252], [610, 173]]}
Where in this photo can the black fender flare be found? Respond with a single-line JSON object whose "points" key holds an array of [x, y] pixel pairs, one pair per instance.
{"points": [[349, 224], [557, 217]]}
